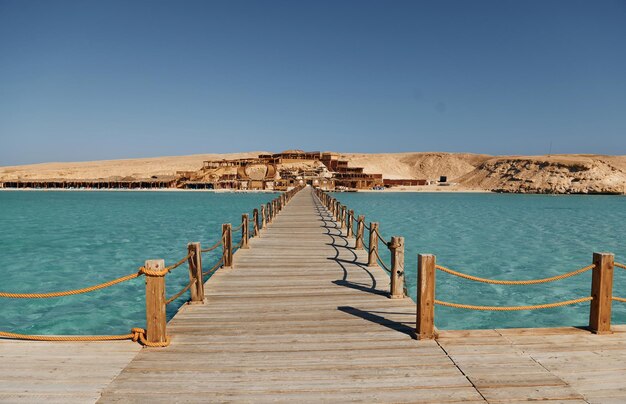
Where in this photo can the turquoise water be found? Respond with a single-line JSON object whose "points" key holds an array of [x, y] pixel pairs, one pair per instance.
{"points": [[503, 236], [54, 241]]}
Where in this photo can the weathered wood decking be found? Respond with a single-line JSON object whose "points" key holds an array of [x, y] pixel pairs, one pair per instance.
{"points": [[301, 318]]}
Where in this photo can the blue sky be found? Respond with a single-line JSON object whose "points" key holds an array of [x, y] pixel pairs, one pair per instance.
{"points": [[84, 80]]}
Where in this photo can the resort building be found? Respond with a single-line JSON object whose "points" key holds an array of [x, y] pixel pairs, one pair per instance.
{"points": [[279, 171]]}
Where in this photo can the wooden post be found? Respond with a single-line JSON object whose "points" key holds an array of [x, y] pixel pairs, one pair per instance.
{"points": [[255, 218], [268, 209], [350, 223], [425, 321], [195, 272], [373, 250], [227, 247], [244, 230], [263, 217], [360, 227], [396, 247], [602, 293], [337, 210], [155, 303], [343, 216]]}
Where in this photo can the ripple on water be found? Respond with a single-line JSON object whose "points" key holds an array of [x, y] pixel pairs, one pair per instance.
{"points": [[505, 237], [54, 241]]}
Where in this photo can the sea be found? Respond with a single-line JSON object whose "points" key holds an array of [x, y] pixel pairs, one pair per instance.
{"points": [[59, 240], [503, 236]]}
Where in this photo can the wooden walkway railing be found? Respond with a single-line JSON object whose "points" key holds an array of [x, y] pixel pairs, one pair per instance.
{"points": [[155, 271], [601, 296]]}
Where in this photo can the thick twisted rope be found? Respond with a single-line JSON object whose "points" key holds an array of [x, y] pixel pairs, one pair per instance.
{"points": [[617, 264], [618, 299], [215, 267], [183, 290], [136, 334], [166, 270], [382, 264], [505, 282], [514, 308], [70, 292], [238, 227], [213, 247], [381, 238]]}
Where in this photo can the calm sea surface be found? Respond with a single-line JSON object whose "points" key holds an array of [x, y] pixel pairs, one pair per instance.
{"points": [[504, 237], [52, 241], [59, 240]]}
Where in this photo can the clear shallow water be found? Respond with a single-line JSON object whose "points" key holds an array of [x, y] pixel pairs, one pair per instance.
{"points": [[51, 241], [503, 236]]}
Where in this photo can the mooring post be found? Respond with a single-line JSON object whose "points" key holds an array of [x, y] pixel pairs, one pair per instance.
{"points": [[255, 224], [245, 228], [227, 245], [396, 247], [360, 227], [155, 303], [602, 293], [263, 217], [425, 321], [350, 223], [269, 213], [373, 250], [337, 211], [195, 272], [343, 216]]}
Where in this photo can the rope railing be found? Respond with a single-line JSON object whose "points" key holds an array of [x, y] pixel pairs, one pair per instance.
{"points": [[168, 269], [382, 240], [355, 227], [180, 293], [623, 266], [213, 247], [72, 292], [518, 282], [214, 268], [513, 308], [155, 271], [381, 262]]}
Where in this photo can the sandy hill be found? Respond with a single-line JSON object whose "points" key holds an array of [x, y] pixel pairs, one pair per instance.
{"points": [[528, 174], [550, 174]]}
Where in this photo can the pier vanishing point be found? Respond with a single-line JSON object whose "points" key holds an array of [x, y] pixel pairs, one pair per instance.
{"points": [[306, 314]]}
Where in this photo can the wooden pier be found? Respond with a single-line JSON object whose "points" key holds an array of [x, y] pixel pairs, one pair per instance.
{"points": [[301, 317]]}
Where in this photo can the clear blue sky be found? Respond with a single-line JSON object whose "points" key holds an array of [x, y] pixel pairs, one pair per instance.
{"points": [[83, 80]]}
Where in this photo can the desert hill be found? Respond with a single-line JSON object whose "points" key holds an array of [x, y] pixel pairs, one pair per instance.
{"points": [[524, 174]]}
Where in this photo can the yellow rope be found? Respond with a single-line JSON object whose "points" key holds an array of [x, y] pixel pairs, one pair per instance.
{"points": [[619, 299], [381, 261], [166, 270], [70, 292], [504, 282], [213, 247], [617, 264], [238, 227], [215, 267], [381, 237], [183, 290], [136, 334], [513, 308]]}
